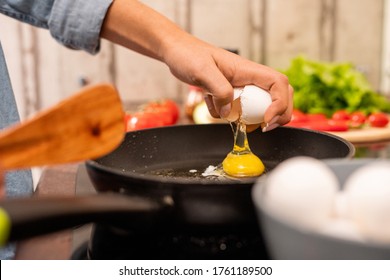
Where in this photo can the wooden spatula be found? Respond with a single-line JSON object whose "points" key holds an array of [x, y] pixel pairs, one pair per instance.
{"points": [[87, 125]]}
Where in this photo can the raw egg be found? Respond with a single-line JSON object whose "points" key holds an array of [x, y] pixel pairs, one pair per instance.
{"points": [[241, 162], [248, 107]]}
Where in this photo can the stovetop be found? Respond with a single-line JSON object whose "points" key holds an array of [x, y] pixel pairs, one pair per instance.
{"points": [[107, 242]]}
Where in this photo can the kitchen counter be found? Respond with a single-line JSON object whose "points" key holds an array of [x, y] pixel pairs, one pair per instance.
{"points": [[55, 181], [61, 181]]}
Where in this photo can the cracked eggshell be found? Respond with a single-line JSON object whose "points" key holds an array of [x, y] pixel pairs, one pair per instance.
{"points": [[250, 102]]}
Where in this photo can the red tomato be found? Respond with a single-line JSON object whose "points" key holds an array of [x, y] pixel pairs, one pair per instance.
{"points": [[321, 125], [378, 119], [174, 108], [298, 116], [167, 108], [338, 125], [340, 115], [162, 113], [127, 118], [316, 117], [357, 119], [142, 120]]}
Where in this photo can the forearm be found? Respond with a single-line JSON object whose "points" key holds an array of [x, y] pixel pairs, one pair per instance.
{"points": [[137, 27], [140, 28]]}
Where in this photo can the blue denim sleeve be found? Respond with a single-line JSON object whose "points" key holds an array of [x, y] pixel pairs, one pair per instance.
{"points": [[74, 23], [18, 183]]}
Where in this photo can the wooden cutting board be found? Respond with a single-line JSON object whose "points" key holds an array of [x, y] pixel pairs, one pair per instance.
{"points": [[366, 135]]}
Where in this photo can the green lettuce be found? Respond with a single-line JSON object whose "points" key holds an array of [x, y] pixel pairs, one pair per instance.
{"points": [[323, 87]]}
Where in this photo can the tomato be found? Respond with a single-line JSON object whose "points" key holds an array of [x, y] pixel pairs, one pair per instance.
{"points": [[357, 119], [174, 108], [298, 116], [167, 108], [378, 119], [341, 115], [316, 117], [321, 124], [127, 119], [162, 113], [317, 121], [142, 120], [338, 125]]}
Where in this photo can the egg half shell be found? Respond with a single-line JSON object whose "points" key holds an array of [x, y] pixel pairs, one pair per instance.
{"points": [[250, 103]]}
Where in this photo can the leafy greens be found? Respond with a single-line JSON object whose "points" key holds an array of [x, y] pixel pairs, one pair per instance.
{"points": [[323, 87]]}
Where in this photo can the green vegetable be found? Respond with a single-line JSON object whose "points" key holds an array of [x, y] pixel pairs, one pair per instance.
{"points": [[323, 87]]}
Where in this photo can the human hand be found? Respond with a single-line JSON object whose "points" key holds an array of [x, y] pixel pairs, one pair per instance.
{"points": [[140, 28], [218, 71]]}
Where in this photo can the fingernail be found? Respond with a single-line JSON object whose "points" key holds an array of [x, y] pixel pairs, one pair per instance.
{"points": [[225, 111], [270, 126], [274, 120]]}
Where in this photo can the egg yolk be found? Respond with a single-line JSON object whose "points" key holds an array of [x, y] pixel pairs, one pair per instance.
{"points": [[241, 162]]}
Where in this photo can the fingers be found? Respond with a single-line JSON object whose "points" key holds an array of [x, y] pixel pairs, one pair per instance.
{"points": [[278, 113], [218, 71], [221, 92], [280, 110], [277, 84]]}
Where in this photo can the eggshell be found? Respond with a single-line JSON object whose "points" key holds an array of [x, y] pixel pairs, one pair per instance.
{"points": [[301, 191], [235, 111], [340, 206], [368, 193], [342, 228], [250, 103]]}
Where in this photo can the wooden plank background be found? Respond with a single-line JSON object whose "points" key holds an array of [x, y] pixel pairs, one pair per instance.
{"points": [[267, 31]]}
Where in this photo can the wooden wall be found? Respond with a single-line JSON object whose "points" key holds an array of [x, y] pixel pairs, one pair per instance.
{"points": [[267, 31]]}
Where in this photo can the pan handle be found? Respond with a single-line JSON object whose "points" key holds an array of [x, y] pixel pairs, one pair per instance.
{"points": [[22, 218]]}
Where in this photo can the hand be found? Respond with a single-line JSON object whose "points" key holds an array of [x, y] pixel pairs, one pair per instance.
{"points": [[133, 25], [218, 71]]}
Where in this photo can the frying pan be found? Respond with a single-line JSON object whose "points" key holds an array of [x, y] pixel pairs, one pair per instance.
{"points": [[160, 171], [161, 164]]}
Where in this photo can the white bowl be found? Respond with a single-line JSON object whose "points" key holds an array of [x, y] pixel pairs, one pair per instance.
{"points": [[287, 241]]}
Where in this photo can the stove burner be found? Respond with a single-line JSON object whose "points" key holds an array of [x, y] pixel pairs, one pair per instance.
{"points": [[81, 252], [108, 243]]}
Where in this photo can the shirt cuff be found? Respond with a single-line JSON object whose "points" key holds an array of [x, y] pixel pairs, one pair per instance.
{"points": [[77, 24]]}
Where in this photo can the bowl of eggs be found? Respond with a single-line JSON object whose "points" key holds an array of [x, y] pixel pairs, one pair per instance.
{"points": [[325, 209]]}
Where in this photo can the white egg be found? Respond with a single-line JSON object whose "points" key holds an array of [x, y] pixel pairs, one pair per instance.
{"points": [[250, 102], [301, 191], [342, 228], [340, 206], [368, 193]]}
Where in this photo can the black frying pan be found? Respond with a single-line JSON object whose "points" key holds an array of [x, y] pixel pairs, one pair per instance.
{"points": [[177, 199]]}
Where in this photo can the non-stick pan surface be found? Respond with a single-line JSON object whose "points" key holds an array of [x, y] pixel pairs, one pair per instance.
{"points": [[170, 155], [160, 163]]}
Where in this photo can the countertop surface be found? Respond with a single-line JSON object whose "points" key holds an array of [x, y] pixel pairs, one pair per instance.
{"points": [[54, 181], [61, 181]]}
